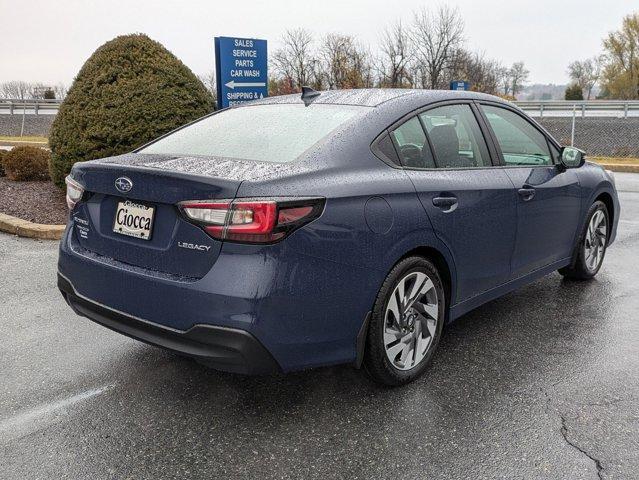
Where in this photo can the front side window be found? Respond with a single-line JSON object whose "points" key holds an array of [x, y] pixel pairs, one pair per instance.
{"points": [[456, 137], [520, 142], [266, 133]]}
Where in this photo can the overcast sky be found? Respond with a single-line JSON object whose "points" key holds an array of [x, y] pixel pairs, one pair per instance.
{"points": [[48, 40]]}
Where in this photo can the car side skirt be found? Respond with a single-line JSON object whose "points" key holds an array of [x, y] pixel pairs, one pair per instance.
{"points": [[461, 308]]}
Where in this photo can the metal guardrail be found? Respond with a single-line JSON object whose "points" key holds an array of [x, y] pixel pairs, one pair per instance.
{"points": [[583, 108], [34, 106]]}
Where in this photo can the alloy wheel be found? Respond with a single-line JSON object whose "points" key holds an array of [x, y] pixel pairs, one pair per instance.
{"points": [[410, 320], [595, 241]]}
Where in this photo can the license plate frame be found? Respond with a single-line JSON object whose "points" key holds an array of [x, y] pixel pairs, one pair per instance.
{"points": [[140, 216]]}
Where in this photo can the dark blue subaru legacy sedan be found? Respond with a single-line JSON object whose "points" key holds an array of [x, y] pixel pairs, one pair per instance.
{"points": [[332, 227]]}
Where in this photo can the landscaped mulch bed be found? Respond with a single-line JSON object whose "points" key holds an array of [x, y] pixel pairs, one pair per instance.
{"points": [[38, 202]]}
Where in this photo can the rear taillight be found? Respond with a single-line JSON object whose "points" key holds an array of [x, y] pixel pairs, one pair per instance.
{"points": [[252, 220], [74, 192]]}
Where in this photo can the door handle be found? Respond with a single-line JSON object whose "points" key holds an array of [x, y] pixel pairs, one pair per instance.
{"points": [[446, 203], [526, 193]]}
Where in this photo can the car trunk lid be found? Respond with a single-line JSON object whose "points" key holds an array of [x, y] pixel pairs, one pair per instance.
{"points": [[175, 246]]}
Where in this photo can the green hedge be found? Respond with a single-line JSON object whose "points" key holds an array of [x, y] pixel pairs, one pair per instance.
{"points": [[130, 91]]}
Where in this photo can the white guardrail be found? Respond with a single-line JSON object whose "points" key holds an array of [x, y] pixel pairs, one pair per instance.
{"points": [[545, 108], [581, 108], [14, 106]]}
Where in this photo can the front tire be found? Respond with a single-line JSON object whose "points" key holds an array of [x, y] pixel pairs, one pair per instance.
{"points": [[406, 323], [591, 245]]}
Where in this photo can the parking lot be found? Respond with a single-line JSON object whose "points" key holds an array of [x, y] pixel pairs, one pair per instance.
{"points": [[542, 383]]}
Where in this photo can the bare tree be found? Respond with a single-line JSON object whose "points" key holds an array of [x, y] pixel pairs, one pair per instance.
{"points": [[60, 91], [344, 63], [436, 35], [428, 54], [484, 75], [504, 80], [393, 62], [18, 89], [295, 61], [36, 90], [362, 71], [209, 81], [22, 90], [456, 67], [334, 53], [490, 76], [518, 75], [586, 73]]}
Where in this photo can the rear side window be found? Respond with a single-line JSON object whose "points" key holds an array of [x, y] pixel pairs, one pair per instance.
{"points": [[412, 147], [267, 133], [520, 142], [387, 150], [456, 137]]}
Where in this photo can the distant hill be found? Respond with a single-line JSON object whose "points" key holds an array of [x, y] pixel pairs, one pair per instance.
{"points": [[549, 91], [540, 91]]}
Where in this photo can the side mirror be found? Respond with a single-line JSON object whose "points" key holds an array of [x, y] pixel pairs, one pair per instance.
{"points": [[572, 157]]}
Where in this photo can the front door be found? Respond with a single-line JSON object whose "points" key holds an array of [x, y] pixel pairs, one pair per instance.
{"points": [[549, 198]]}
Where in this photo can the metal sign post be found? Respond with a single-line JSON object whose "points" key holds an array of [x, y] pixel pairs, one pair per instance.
{"points": [[572, 129], [241, 70]]}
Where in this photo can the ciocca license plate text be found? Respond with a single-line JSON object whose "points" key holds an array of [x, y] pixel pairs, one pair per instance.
{"points": [[134, 220]]}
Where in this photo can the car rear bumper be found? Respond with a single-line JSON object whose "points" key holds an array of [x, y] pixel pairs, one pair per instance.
{"points": [[305, 311], [223, 348]]}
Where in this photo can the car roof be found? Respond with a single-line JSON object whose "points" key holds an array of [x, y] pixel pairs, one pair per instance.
{"points": [[382, 108], [373, 97]]}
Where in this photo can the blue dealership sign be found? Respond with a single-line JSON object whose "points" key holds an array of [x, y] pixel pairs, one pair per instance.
{"points": [[459, 85], [241, 70]]}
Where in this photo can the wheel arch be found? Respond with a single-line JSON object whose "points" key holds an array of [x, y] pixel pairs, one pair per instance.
{"points": [[447, 274], [607, 200], [606, 193], [443, 267]]}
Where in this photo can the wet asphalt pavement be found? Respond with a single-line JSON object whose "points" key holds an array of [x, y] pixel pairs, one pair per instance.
{"points": [[542, 383]]}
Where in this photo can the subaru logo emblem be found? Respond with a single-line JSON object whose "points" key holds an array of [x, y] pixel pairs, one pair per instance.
{"points": [[124, 184]]}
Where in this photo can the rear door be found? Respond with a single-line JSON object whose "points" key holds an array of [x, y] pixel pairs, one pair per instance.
{"points": [[471, 203], [549, 198]]}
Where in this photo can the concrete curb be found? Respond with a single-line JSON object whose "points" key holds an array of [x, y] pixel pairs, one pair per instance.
{"points": [[620, 167], [18, 143], [25, 228]]}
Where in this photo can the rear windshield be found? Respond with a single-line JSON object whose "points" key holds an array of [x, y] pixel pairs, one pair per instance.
{"points": [[267, 133]]}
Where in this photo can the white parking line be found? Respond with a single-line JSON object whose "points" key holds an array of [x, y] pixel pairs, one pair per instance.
{"points": [[35, 418]]}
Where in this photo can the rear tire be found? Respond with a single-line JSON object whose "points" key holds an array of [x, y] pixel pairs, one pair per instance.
{"points": [[590, 249], [406, 323]]}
